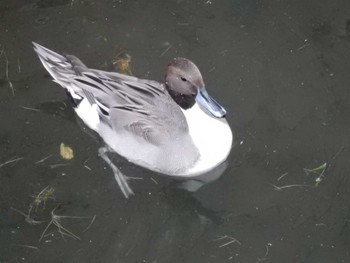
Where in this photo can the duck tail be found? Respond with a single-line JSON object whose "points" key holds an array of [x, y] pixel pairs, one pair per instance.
{"points": [[62, 68]]}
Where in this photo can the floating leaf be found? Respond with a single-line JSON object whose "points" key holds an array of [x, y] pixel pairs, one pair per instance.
{"points": [[66, 152]]}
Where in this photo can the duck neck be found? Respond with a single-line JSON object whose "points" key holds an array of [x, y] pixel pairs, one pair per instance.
{"points": [[184, 101]]}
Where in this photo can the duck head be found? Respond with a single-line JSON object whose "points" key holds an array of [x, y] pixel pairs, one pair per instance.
{"points": [[185, 85]]}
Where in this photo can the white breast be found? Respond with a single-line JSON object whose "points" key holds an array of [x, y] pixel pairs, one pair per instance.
{"points": [[212, 137]]}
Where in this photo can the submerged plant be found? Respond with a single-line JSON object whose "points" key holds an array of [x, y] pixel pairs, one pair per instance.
{"points": [[123, 62], [56, 221], [40, 199]]}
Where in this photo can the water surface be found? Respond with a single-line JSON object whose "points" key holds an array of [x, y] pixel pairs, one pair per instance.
{"points": [[280, 68]]}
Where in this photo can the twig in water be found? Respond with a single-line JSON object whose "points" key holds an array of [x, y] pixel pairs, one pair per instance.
{"points": [[87, 167], [46, 228], [283, 175], [303, 46], [26, 246], [135, 178], [53, 166], [280, 188], [154, 180], [341, 149], [226, 237], [27, 217], [92, 221], [11, 161], [19, 65], [27, 108], [11, 87], [266, 254], [7, 73], [166, 50], [43, 159], [56, 221]]}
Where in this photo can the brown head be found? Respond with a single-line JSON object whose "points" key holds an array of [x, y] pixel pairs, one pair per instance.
{"points": [[185, 85]]}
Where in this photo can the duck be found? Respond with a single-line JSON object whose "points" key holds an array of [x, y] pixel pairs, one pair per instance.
{"points": [[173, 128]]}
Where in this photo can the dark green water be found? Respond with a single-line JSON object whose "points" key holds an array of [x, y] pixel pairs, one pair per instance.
{"points": [[280, 68]]}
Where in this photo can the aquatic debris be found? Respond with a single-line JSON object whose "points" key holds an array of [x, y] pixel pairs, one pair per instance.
{"points": [[226, 237], [319, 170], [28, 108], [27, 217], [283, 175], [280, 188], [3, 53], [43, 159], [56, 221], [53, 166], [27, 246], [40, 199], [6, 62], [154, 180], [92, 221], [66, 152], [11, 161], [84, 164], [166, 50], [266, 253], [123, 62], [87, 167]]}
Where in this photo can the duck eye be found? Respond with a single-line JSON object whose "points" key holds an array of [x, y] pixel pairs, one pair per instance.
{"points": [[183, 79]]}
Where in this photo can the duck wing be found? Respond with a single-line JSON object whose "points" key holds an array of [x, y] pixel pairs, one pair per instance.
{"points": [[125, 103], [141, 107]]}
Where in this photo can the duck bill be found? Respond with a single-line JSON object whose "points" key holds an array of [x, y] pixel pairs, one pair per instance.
{"points": [[209, 105]]}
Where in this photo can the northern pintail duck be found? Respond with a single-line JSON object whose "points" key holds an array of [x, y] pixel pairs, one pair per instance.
{"points": [[174, 128]]}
